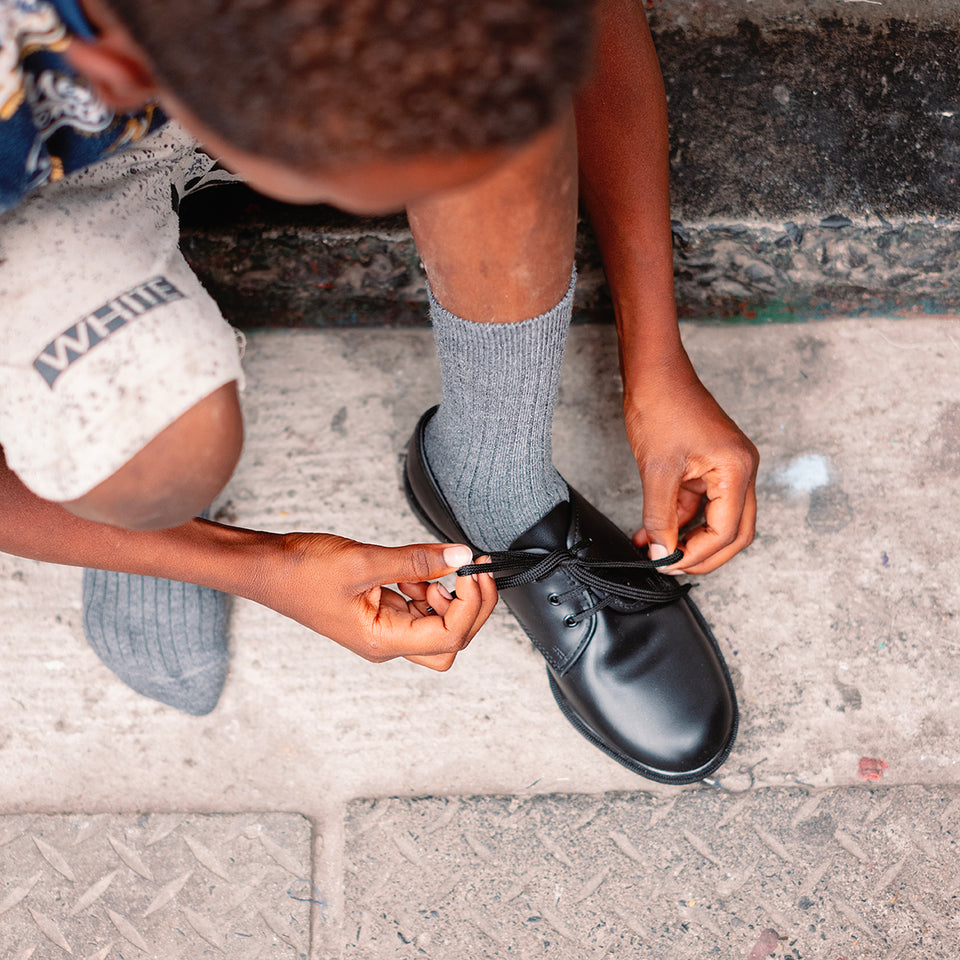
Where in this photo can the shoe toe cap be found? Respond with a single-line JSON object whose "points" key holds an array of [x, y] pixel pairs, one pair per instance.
{"points": [[661, 704]]}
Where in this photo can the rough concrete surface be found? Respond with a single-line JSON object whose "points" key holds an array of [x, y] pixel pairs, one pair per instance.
{"points": [[720, 16], [792, 115], [839, 624]]}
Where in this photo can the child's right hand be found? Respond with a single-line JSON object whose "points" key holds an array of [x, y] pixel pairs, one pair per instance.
{"points": [[338, 588]]}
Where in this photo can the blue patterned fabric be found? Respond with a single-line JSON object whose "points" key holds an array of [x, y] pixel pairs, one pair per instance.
{"points": [[75, 19], [51, 122]]}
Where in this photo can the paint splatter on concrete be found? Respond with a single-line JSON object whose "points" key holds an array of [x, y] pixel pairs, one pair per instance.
{"points": [[765, 946], [805, 474], [871, 768]]}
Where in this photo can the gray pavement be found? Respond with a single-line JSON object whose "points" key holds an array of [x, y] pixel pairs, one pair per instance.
{"points": [[833, 824]]}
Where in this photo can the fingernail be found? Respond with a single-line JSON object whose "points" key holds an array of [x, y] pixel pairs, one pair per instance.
{"points": [[457, 556], [658, 551], [444, 592]]}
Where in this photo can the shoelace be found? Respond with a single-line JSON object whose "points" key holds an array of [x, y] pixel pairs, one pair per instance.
{"points": [[514, 568]]}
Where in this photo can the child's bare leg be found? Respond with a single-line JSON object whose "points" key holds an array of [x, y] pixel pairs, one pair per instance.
{"points": [[181, 658], [177, 474], [499, 256], [164, 638]]}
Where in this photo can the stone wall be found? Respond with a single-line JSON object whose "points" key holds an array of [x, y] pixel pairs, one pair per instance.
{"points": [[815, 153]]}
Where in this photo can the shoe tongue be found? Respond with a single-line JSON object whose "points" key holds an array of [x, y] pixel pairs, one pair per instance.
{"points": [[549, 532]]}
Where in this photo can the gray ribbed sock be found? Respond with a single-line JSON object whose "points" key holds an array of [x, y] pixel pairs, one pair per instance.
{"points": [[166, 640], [489, 445]]}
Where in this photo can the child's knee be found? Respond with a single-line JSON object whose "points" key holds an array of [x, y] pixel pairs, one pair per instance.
{"points": [[177, 474]]}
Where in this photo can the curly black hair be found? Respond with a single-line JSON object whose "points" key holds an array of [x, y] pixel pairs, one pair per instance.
{"points": [[329, 83]]}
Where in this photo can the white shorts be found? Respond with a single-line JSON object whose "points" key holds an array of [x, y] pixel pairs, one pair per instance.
{"points": [[106, 336]]}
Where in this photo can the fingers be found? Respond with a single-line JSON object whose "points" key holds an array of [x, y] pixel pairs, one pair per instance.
{"points": [[479, 594], [661, 522], [728, 529], [439, 599], [462, 616], [441, 662], [415, 563], [729, 523], [434, 625], [729, 492], [689, 499], [427, 598]]}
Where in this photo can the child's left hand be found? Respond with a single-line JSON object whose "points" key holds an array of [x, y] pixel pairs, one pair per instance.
{"points": [[690, 453]]}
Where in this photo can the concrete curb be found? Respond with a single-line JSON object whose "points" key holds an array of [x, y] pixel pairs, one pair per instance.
{"points": [[272, 266]]}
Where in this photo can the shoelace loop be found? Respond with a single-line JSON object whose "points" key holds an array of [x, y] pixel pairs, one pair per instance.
{"points": [[514, 568]]}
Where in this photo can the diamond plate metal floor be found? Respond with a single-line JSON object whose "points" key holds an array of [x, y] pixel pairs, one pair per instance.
{"points": [[164, 886], [833, 875]]}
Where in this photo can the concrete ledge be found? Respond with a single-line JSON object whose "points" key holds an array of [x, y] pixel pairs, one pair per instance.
{"points": [[808, 269], [815, 159], [268, 265]]}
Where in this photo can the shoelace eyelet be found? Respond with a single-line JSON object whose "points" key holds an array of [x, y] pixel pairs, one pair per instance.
{"points": [[554, 600], [570, 621]]}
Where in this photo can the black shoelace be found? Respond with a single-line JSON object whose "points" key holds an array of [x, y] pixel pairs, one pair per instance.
{"points": [[514, 568]]}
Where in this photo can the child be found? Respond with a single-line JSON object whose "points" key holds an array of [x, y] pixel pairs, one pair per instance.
{"points": [[121, 408]]}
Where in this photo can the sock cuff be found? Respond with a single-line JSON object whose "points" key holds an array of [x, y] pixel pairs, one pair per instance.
{"points": [[557, 316]]}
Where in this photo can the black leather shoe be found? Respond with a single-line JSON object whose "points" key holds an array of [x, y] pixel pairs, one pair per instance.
{"points": [[631, 662]]}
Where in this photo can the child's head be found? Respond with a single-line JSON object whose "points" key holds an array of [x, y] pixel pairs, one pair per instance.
{"points": [[333, 84]]}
